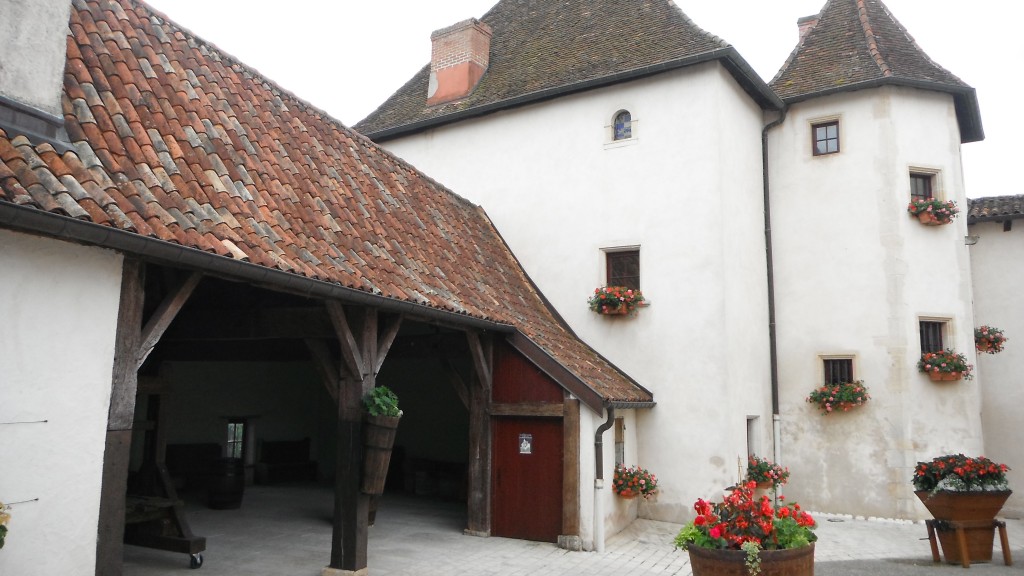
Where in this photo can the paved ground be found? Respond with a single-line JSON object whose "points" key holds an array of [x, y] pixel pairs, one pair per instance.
{"points": [[286, 531]]}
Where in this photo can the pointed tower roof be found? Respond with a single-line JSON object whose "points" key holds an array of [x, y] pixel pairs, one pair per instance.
{"points": [[544, 48], [858, 44]]}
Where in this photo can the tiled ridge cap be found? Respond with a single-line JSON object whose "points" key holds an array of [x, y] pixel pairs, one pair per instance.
{"points": [[869, 36]]}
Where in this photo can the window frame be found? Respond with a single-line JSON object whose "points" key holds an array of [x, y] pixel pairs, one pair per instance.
{"points": [[626, 127], [834, 375], [234, 441], [825, 123], [619, 279], [938, 329]]}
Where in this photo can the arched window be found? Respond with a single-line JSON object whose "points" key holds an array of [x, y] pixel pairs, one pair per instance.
{"points": [[622, 126]]}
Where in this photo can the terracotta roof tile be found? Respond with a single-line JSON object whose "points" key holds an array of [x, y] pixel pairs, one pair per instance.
{"points": [[996, 208], [176, 141]]}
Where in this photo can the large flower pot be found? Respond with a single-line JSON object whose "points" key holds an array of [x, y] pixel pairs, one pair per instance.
{"points": [[714, 562], [974, 512], [378, 438]]}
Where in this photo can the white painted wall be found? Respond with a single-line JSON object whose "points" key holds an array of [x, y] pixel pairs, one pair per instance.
{"points": [[559, 192], [58, 316], [998, 272], [32, 51], [854, 273]]}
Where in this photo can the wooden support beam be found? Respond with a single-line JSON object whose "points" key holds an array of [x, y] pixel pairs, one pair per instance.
{"points": [[528, 409], [571, 468], [479, 466], [121, 413], [386, 339], [164, 315], [325, 365], [455, 379], [349, 348]]}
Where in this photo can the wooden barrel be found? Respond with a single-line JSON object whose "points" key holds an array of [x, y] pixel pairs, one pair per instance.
{"points": [[378, 438], [226, 484]]}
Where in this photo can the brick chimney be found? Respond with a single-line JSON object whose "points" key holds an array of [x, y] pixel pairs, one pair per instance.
{"points": [[33, 48], [458, 59], [806, 24]]}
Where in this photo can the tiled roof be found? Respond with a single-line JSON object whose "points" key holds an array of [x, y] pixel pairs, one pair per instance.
{"points": [[542, 48], [858, 44], [996, 208], [176, 141]]}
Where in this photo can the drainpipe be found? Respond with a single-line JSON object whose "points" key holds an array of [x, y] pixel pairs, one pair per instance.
{"points": [[599, 480], [772, 343]]}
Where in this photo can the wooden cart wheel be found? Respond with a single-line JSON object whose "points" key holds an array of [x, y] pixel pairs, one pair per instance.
{"points": [[195, 561]]}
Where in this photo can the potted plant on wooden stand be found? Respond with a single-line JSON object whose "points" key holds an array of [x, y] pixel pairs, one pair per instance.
{"points": [[748, 536], [963, 494]]}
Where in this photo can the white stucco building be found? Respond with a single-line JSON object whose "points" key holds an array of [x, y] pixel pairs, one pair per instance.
{"points": [[535, 141]]}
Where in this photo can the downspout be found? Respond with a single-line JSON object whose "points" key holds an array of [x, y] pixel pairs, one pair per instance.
{"points": [[599, 479], [773, 352]]}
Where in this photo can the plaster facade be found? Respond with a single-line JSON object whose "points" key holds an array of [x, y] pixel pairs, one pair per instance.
{"points": [[54, 398], [699, 230], [32, 51], [997, 281], [855, 273]]}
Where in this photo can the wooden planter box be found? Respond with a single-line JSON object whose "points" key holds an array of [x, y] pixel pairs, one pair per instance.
{"points": [[378, 439], [970, 515]]}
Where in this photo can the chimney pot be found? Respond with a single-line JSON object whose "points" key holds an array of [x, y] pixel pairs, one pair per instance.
{"points": [[459, 57], [806, 24]]}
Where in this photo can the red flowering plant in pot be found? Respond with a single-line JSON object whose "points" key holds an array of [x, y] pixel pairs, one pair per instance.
{"points": [[633, 481], [932, 212], [746, 535], [842, 396], [945, 365], [765, 473], [989, 339], [963, 494], [614, 300]]}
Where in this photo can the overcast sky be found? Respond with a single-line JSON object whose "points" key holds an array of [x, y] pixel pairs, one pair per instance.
{"points": [[347, 56]]}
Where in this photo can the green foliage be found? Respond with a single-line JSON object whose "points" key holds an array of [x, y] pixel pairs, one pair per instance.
{"points": [[764, 470], [945, 361], [753, 560], [843, 396], [944, 211], [381, 401], [612, 297], [989, 339]]}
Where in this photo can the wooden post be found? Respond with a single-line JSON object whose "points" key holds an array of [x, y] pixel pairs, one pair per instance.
{"points": [[121, 413], [571, 473], [362, 360], [479, 472]]}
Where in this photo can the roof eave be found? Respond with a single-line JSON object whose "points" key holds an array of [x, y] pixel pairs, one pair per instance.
{"points": [[730, 58], [567, 379], [35, 221], [965, 101]]}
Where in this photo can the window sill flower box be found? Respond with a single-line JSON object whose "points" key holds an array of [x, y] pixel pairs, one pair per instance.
{"points": [[945, 366], [988, 339], [932, 212], [615, 300]]}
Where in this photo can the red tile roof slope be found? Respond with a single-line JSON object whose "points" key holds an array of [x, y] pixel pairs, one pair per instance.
{"points": [[858, 43], [175, 140], [995, 208]]}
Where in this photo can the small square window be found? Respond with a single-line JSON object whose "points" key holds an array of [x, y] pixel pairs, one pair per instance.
{"points": [[921, 186], [623, 268], [931, 335], [837, 370], [825, 138]]}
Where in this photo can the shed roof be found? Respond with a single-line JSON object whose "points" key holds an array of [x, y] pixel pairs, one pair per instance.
{"points": [[995, 209], [179, 148], [859, 44], [543, 48]]}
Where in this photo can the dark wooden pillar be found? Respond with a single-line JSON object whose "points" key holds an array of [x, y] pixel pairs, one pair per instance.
{"points": [[570, 474], [121, 413], [479, 503], [362, 358]]}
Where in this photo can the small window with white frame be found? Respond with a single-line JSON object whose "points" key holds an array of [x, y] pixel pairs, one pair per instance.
{"points": [[933, 334], [837, 369], [622, 125], [622, 268]]}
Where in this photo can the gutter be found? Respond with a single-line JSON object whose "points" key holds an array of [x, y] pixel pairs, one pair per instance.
{"points": [[37, 221], [773, 351], [599, 479], [731, 60], [965, 100]]}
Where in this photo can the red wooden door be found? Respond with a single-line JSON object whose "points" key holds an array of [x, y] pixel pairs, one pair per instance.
{"points": [[527, 479]]}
